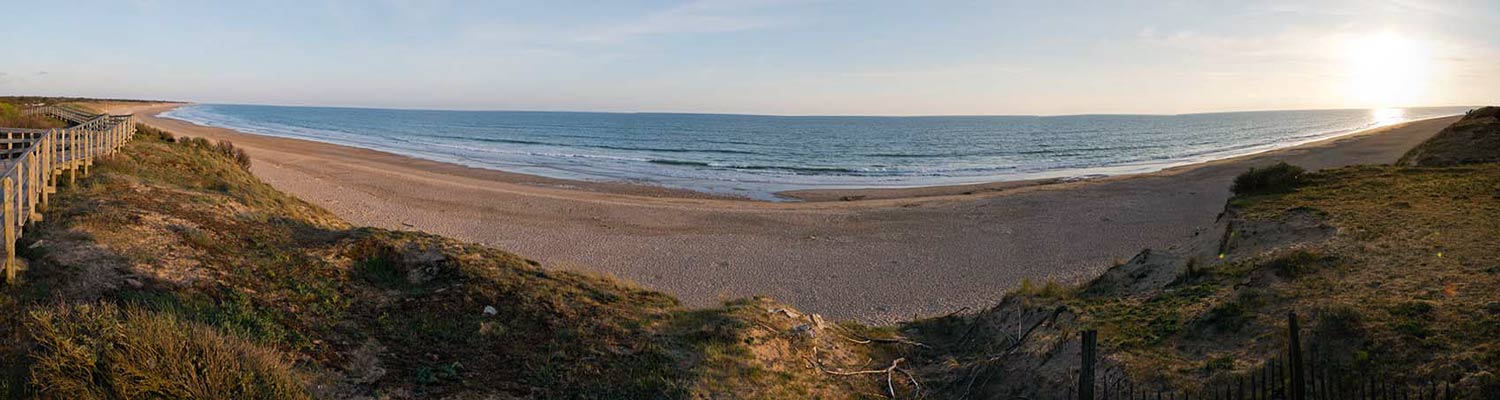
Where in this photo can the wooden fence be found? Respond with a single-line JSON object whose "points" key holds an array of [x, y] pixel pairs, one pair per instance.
{"points": [[67, 114], [1291, 375], [33, 160]]}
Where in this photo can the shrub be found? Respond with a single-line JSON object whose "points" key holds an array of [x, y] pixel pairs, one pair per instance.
{"points": [[1338, 323], [1278, 178], [1413, 318], [1297, 263], [104, 351], [223, 147], [153, 133], [1236, 312], [227, 149]]}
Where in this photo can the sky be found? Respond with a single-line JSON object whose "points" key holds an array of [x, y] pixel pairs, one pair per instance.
{"points": [[762, 56]]}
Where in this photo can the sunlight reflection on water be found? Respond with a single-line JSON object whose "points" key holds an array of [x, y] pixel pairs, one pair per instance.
{"points": [[1387, 116]]}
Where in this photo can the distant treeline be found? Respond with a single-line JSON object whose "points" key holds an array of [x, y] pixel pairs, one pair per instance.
{"points": [[28, 100], [12, 117]]}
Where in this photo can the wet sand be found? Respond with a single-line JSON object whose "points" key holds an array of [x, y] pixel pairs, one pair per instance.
{"points": [[887, 255]]}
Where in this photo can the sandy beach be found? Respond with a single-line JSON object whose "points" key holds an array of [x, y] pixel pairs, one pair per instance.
{"points": [[890, 254]]}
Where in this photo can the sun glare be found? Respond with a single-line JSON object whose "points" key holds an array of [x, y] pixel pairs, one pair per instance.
{"points": [[1388, 116], [1386, 69]]}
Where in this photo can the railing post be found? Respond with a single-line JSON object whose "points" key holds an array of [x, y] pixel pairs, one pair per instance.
{"points": [[33, 191], [1294, 349], [88, 152], [1086, 373], [10, 229], [46, 168], [72, 153]]}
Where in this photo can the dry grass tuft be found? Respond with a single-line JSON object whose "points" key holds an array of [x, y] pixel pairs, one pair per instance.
{"points": [[97, 351]]}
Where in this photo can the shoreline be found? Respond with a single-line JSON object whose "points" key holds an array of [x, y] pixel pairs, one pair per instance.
{"points": [[892, 254], [964, 186]]}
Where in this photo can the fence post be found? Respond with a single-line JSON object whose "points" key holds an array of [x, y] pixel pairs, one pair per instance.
{"points": [[45, 152], [71, 155], [1299, 389], [1086, 374], [88, 152], [10, 229], [33, 191]]}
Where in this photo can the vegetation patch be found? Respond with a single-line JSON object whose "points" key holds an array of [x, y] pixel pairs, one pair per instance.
{"points": [[103, 351], [1278, 178], [11, 117], [1473, 139], [1297, 263]]}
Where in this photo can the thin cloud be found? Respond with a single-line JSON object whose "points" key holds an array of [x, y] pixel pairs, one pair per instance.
{"points": [[950, 72], [1285, 44], [720, 16]]}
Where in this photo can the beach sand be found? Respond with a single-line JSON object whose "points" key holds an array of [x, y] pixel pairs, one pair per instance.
{"points": [[891, 255]]}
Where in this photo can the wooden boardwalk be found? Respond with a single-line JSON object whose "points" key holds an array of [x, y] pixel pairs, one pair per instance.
{"points": [[34, 160]]}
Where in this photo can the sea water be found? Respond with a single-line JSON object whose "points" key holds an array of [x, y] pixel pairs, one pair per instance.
{"points": [[756, 156]]}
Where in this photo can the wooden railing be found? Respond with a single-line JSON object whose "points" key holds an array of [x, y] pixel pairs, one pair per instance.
{"points": [[66, 114], [33, 160]]}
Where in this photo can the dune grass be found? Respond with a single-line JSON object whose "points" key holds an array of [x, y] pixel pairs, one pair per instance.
{"points": [[1404, 288], [101, 351], [1416, 261]]}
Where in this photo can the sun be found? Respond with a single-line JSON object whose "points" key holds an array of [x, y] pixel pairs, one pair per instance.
{"points": [[1386, 69]]}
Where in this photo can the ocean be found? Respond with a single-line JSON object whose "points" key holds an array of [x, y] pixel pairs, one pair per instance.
{"points": [[756, 156]]}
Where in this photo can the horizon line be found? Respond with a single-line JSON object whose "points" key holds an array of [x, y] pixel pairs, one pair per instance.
{"points": [[745, 114]]}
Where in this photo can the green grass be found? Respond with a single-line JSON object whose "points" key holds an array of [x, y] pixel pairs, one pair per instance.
{"points": [[1406, 281], [1473, 139]]}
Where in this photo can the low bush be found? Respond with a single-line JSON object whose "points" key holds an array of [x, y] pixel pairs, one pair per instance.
{"points": [[1341, 321], [97, 351], [1278, 178], [153, 133], [1297, 263], [224, 147], [1237, 311]]}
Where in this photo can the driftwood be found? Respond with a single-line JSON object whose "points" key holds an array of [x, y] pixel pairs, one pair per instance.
{"points": [[890, 373]]}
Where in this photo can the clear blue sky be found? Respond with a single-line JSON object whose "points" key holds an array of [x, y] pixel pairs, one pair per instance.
{"points": [[770, 57]]}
